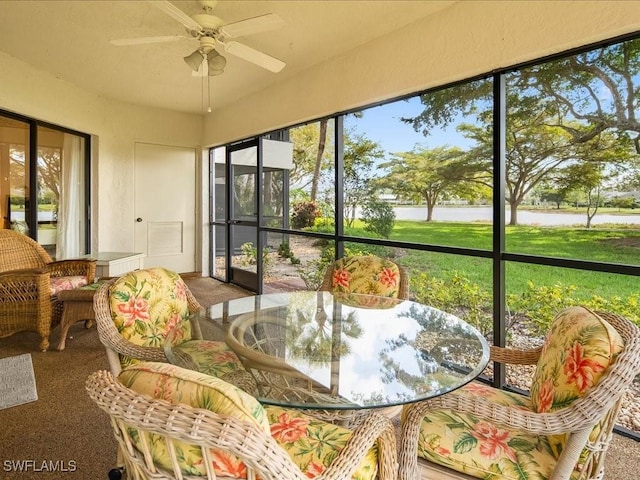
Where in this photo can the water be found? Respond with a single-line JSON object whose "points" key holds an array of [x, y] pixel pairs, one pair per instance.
{"points": [[525, 217]]}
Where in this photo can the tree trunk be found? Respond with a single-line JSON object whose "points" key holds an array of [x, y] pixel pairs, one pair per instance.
{"points": [[429, 213], [513, 213], [322, 141]]}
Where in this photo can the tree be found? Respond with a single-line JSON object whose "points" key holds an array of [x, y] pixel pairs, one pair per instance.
{"points": [[309, 156], [594, 91], [428, 174], [598, 161], [317, 168], [360, 154], [549, 108], [533, 150]]}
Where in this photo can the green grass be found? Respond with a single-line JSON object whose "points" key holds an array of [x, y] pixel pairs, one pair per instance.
{"points": [[610, 245]]}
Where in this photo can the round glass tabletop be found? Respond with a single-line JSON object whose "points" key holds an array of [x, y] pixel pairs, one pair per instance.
{"points": [[320, 350]]}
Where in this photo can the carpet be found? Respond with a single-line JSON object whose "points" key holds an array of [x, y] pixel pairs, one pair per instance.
{"points": [[17, 381]]}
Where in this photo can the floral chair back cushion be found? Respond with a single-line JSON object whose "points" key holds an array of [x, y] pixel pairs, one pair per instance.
{"points": [[147, 304], [578, 349], [312, 444], [178, 385], [366, 274]]}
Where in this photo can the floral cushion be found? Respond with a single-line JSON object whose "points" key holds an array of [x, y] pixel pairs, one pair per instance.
{"points": [[578, 349], [59, 284], [147, 304], [211, 357], [359, 300], [468, 444], [366, 274], [312, 444]]}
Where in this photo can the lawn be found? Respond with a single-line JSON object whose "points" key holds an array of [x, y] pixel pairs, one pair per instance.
{"points": [[609, 245]]}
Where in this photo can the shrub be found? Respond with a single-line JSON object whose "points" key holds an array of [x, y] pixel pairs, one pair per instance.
{"points": [[458, 296], [378, 217], [312, 273], [304, 214], [540, 305]]}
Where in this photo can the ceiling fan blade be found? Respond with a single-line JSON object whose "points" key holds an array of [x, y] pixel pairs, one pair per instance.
{"points": [[173, 11], [254, 56], [262, 23], [143, 40]]}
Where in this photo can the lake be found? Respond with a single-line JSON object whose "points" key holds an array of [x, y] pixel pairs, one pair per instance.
{"points": [[525, 217]]}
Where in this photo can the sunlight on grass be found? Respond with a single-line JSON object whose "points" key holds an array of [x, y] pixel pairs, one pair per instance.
{"points": [[614, 245]]}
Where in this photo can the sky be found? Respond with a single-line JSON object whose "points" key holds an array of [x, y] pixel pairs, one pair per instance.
{"points": [[383, 125]]}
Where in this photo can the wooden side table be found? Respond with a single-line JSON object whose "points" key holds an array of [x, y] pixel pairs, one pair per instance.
{"points": [[77, 305]]}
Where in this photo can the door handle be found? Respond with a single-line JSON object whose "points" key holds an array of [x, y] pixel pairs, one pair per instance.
{"points": [[138, 220]]}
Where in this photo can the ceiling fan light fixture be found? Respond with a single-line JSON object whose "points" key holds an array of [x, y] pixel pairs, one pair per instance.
{"points": [[216, 63], [194, 60]]}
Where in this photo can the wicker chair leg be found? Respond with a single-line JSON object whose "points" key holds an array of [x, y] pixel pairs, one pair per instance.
{"points": [[44, 342]]}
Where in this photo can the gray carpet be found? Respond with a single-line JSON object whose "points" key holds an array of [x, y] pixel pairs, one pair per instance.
{"points": [[64, 435]]}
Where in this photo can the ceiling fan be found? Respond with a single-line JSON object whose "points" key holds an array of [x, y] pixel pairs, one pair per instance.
{"points": [[213, 32]]}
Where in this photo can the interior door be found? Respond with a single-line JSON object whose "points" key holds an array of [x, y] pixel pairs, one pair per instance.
{"points": [[244, 186], [165, 206]]}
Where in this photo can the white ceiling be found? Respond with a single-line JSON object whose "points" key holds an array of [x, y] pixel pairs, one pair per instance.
{"points": [[70, 40]]}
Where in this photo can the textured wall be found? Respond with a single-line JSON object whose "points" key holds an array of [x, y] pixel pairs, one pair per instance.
{"points": [[469, 38]]}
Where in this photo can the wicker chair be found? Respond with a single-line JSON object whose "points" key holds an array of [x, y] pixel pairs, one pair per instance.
{"points": [[367, 275], [585, 423], [204, 433], [163, 294], [29, 282]]}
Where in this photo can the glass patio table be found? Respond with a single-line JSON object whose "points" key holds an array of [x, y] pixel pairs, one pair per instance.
{"points": [[344, 353]]}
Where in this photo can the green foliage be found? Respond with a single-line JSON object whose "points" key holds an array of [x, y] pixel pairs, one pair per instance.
{"points": [[540, 304], [458, 295], [312, 273], [250, 255], [304, 214], [378, 217], [17, 200], [284, 251]]}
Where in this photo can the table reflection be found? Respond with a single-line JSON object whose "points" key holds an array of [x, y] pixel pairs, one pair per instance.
{"points": [[356, 350]]}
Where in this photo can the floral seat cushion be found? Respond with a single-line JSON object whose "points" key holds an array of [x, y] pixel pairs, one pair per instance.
{"points": [[311, 444], [59, 284], [367, 274], [211, 357], [578, 349], [147, 305]]}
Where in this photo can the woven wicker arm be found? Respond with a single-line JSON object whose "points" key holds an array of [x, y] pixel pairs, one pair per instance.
{"points": [[26, 303], [601, 404], [514, 356], [207, 430], [76, 267], [403, 285], [116, 344]]}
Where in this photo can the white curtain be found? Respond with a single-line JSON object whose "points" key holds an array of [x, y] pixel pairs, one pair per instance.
{"points": [[68, 244]]}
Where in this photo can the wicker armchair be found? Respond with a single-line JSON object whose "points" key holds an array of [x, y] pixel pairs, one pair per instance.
{"points": [[583, 425], [29, 282], [366, 274], [159, 438], [136, 313]]}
